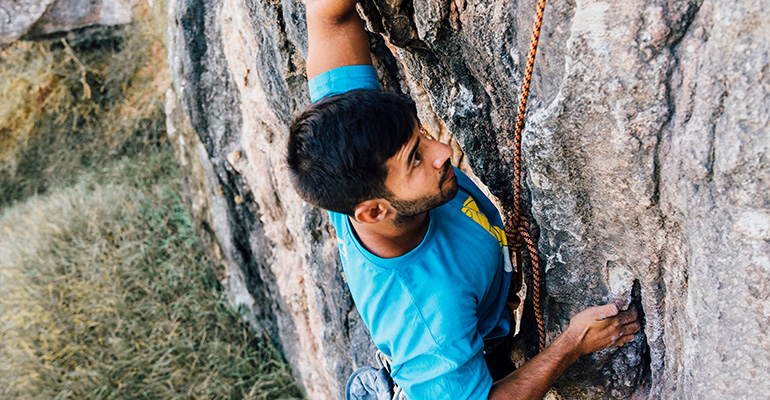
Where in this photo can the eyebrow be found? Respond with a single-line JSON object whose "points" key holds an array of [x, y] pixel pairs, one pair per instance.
{"points": [[412, 153]]}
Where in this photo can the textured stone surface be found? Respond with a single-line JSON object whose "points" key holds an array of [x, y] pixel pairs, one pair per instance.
{"points": [[16, 17], [34, 19], [646, 171]]}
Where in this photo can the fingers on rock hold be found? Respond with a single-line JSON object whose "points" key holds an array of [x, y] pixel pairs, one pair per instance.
{"points": [[614, 339], [631, 328], [627, 317], [609, 310]]}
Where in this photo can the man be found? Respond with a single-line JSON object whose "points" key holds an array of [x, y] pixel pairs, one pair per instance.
{"points": [[422, 248]]}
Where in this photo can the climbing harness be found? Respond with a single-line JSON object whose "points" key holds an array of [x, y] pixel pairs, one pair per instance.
{"points": [[521, 231]]}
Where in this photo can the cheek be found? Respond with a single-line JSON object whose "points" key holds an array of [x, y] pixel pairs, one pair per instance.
{"points": [[429, 179]]}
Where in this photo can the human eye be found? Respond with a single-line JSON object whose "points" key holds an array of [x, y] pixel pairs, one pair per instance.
{"points": [[417, 161]]}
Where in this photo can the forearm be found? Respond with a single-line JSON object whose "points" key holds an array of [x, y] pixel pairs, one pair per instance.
{"points": [[592, 329], [533, 379]]}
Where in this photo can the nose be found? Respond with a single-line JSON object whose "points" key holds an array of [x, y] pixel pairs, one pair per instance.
{"points": [[443, 153]]}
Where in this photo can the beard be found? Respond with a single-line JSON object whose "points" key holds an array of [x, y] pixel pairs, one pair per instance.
{"points": [[408, 209]]}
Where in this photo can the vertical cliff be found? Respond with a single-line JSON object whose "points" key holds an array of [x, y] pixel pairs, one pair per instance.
{"points": [[645, 155]]}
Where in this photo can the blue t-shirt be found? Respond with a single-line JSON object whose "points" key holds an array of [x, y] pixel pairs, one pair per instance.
{"points": [[431, 309]]}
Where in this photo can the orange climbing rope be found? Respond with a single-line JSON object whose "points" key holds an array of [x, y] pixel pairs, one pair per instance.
{"points": [[523, 225]]}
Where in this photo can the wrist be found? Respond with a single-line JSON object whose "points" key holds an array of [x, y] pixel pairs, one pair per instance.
{"points": [[571, 341]]}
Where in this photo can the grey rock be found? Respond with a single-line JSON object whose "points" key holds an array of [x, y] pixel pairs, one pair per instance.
{"points": [[39, 19], [17, 16], [645, 156]]}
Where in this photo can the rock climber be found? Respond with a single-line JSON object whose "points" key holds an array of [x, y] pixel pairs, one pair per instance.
{"points": [[422, 248]]}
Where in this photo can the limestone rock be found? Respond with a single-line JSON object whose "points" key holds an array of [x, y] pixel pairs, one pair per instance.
{"points": [[35, 19], [646, 171]]}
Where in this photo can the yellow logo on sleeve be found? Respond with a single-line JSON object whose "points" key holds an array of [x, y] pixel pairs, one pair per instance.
{"points": [[472, 210]]}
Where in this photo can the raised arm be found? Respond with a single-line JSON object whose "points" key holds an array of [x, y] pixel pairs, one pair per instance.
{"points": [[336, 36]]}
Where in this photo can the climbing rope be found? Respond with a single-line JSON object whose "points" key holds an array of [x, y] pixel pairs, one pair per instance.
{"points": [[521, 232]]}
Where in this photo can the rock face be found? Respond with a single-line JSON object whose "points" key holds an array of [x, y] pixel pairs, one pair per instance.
{"points": [[646, 171], [34, 19]]}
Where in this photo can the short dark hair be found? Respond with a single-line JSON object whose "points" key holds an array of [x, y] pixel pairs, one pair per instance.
{"points": [[338, 147]]}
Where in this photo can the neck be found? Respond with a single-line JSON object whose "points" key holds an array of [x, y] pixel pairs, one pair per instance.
{"points": [[387, 239]]}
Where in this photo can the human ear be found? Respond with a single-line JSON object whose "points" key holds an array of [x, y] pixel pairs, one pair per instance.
{"points": [[371, 211]]}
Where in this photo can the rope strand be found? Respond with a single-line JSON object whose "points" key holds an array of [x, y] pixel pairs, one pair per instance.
{"points": [[522, 233]]}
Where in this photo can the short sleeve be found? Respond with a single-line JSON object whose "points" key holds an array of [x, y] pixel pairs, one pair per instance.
{"points": [[343, 79], [434, 376]]}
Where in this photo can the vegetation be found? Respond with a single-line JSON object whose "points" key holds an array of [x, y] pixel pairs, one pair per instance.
{"points": [[106, 291], [107, 294], [65, 108]]}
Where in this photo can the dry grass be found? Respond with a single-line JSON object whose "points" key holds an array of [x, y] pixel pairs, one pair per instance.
{"points": [[94, 103], [106, 293]]}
